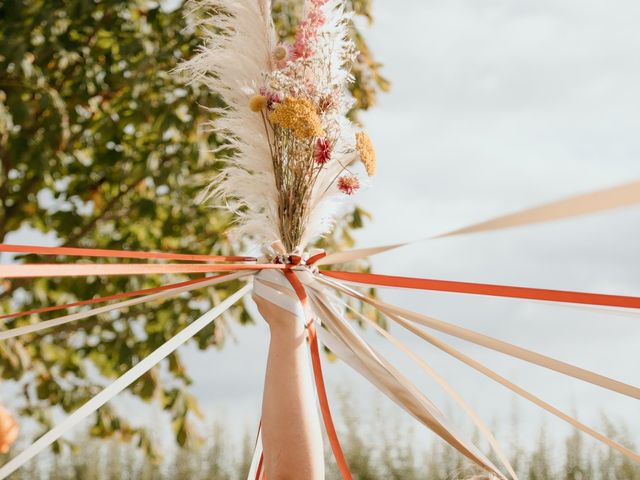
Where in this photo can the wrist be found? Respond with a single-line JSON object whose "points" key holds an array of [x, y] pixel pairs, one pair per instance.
{"points": [[286, 327]]}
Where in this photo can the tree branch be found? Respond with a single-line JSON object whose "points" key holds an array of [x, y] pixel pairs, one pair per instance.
{"points": [[94, 221]]}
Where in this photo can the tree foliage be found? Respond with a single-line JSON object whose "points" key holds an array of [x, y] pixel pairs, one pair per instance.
{"points": [[101, 146]]}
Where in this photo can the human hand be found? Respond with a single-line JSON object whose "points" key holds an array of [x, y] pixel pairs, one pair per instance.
{"points": [[277, 302]]}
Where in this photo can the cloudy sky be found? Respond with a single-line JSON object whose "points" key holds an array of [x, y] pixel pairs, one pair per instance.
{"points": [[495, 106]]}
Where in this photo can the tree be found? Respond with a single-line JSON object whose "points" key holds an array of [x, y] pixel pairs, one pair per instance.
{"points": [[100, 146]]}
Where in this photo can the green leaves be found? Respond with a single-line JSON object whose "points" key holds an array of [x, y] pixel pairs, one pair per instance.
{"points": [[100, 146]]}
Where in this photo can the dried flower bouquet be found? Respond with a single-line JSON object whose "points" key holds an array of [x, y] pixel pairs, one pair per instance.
{"points": [[295, 150]]}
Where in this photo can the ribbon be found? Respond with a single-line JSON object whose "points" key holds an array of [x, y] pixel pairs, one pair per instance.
{"points": [[338, 336], [257, 461], [273, 288], [117, 296], [342, 339], [102, 253], [120, 384], [42, 270], [318, 376], [607, 199], [466, 407], [317, 365], [492, 375], [500, 346], [487, 289], [55, 322]]}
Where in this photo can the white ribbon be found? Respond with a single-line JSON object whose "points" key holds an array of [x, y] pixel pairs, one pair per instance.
{"points": [[455, 396], [600, 200], [120, 384], [493, 375], [493, 343], [342, 339], [255, 460], [274, 287], [55, 322]]}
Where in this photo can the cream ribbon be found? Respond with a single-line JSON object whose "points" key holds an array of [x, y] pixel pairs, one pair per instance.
{"points": [[455, 396], [494, 376], [255, 459], [56, 322], [601, 200], [273, 286], [349, 346], [495, 344], [340, 338], [120, 384]]}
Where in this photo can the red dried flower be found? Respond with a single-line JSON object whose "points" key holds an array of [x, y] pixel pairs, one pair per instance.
{"points": [[348, 184], [326, 103], [323, 150]]}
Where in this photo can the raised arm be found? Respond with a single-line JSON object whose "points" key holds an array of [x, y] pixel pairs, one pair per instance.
{"points": [[291, 433]]}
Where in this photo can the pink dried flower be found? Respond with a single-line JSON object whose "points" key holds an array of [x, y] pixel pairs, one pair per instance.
{"points": [[282, 54], [348, 184], [323, 150], [310, 87], [308, 31]]}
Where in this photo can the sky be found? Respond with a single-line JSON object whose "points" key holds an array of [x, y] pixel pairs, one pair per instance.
{"points": [[495, 106]]}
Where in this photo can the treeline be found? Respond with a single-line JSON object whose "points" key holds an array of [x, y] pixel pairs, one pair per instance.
{"points": [[389, 453]]}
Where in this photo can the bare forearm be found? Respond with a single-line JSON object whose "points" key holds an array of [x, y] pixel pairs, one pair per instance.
{"points": [[290, 426]]}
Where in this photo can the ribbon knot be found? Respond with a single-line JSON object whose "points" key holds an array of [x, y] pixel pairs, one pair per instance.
{"points": [[299, 262]]}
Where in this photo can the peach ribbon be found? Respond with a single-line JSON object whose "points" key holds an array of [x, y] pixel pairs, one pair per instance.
{"points": [[42, 270], [161, 295], [506, 348], [117, 296], [482, 427], [103, 253], [342, 340], [390, 312], [606, 199]]}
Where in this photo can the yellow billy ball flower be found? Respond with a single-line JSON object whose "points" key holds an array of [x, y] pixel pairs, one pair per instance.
{"points": [[257, 103], [298, 115], [367, 153], [280, 53]]}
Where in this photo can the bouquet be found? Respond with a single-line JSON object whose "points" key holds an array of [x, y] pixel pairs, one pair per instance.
{"points": [[295, 152]]}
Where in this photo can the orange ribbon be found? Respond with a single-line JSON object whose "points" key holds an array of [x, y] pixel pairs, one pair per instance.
{"points": [[317, 366], [487, 289], [259, 471], [117, 296], [66, 269]]}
